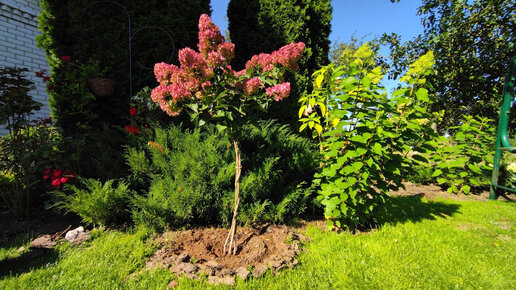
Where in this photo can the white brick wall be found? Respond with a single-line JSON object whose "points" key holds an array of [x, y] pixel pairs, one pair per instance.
{"points": [[18, 31]]}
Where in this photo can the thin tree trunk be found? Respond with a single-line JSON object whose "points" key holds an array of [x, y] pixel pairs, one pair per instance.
{"points": [[232, 231]]}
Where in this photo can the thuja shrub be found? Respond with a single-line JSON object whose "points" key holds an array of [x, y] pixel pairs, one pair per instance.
{"points": [[365, 136], [81, 30], [187, 177], [461, 162], [259, 26]]}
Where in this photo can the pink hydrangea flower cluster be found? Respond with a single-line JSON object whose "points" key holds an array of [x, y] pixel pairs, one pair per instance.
{"points": [[193, 79], [287, 56], [279, 92]]}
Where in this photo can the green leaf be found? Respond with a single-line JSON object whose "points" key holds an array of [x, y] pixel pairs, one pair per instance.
{"points": [[194, 107], [318, 81], [360, 151], [474, 168], [221, 128], [437, 172], [303, 126], [357, 138], [377, 148], [318, 128], [422, 95], [399, 92], [357, 165], [420, 158], [466, 189], [441, 181], [347, 170]]}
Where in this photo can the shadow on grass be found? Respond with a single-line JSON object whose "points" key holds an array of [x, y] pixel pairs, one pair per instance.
{"points": [[400, 209], [28, 261]]}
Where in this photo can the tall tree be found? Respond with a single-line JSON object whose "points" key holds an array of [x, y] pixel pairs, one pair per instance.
{"points": [[257, 26], [473, 41]]}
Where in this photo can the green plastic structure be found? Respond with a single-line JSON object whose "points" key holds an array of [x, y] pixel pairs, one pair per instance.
{"points": [[502, 138]]}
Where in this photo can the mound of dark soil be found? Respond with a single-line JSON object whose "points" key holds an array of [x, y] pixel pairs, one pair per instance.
{"points": [[200, 251]]}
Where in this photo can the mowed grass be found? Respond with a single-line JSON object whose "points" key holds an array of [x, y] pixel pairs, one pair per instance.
{"points": [[419, 244]]}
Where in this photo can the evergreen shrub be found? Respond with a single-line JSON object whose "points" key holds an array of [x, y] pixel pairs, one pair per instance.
{"points": [[190, 177], [262, 26], [95, 202]]}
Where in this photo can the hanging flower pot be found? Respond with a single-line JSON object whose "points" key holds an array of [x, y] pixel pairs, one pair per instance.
{"points": [[102, 87]]}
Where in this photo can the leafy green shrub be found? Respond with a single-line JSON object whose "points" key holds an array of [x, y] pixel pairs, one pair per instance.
{"points": [[190, 176], [24, 156], [365, 136], [16, 104], [462, 161], [13, 194], [95, 202]]}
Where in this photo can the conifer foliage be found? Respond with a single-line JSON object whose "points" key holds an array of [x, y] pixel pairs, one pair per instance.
{"points": [[257, 26]]}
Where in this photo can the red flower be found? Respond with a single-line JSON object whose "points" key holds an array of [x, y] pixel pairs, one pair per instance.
{"points": [[66, 58], [64, 179], [132, 111], [131, 130], [46, 173], [40, 73], [46, 78], [51, 87], [57, 173], [56, 182]]}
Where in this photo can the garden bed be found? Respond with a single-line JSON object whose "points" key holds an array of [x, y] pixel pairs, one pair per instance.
{"points": [[200, 251]]}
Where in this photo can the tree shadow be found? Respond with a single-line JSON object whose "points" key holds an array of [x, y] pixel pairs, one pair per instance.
{"points": [[28, 261], [400, 209]]}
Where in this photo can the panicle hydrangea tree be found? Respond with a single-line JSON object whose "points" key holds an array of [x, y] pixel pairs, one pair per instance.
{"points": [[208, 88]]}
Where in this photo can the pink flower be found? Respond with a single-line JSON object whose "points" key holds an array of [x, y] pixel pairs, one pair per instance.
{"points": [[188, 58], [161, 95], [132, 111], [227, 50], [209, 35], [163, 72], [279, 92], [261, 61], [251, 86], [206, 85], [66, 58], [215, 59], [289, 55]]}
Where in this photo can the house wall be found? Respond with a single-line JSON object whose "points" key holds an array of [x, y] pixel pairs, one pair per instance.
{"points": [[18, 31]]}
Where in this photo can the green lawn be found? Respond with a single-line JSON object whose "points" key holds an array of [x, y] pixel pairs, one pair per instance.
{"points": [[421, 244]]}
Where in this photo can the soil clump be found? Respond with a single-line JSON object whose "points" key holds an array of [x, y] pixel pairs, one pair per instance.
{"points": [[200, 252]]}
